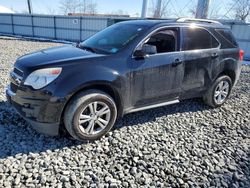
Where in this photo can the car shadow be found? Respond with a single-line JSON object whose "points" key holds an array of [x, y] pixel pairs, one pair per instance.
{"points": [[191, 105], [17, 136]]}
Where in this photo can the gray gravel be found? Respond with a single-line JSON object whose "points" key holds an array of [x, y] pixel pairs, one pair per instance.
{"points": [[183, 145]]}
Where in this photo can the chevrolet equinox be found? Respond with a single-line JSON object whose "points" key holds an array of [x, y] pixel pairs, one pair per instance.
{"points": [[127, 67]]}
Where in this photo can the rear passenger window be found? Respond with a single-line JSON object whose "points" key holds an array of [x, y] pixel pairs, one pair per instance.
{"points": [[228, 40], [198, 38]]}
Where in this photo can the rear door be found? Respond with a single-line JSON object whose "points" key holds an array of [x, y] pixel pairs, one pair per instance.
{"points": [[201, 52]]}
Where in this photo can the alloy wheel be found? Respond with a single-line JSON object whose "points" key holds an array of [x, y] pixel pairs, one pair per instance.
{"points": [[94, 118], [221, 92]]}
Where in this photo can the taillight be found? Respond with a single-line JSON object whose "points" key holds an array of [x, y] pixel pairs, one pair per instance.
{"points": [[241, 55]]}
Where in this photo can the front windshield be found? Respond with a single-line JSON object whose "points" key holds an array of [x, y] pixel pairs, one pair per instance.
{"points": [[114, 38]]}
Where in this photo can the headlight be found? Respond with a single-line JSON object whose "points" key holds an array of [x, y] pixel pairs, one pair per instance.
{"points": [[42, 77]]}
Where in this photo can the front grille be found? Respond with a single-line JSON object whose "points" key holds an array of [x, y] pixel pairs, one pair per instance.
{"points": [[13, 87], [18, 72], [16, 77]]}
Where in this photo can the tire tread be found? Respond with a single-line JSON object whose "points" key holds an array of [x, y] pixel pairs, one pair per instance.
{"points": [[208, 97], [74, 104]]}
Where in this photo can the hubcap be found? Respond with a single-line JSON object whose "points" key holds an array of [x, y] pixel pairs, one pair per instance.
{"points": [[221, 92], [94, 118]]}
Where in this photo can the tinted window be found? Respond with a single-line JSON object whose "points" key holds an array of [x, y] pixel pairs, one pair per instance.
{"points": [[114, 38], [228, 40], [198, 38], [165, 41]]}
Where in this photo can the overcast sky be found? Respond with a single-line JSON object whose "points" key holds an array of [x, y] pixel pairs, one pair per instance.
{"points": [[176, 8]]}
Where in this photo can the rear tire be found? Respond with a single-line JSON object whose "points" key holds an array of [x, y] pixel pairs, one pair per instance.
{"points": [[219, 92], [90, 115]]}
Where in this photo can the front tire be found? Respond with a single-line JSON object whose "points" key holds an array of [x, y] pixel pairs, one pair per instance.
{"points": [[90, 115], [219, 92]]}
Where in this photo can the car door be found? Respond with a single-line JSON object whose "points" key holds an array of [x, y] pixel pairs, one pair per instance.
{"points": [[157, 77], [201, 51]]}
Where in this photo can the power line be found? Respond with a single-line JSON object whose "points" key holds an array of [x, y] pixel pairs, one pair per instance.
{"points": [[187, 4], [176, 12], [230, 9]]}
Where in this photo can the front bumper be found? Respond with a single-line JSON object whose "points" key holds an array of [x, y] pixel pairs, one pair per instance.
{"points": [[37, 109]]}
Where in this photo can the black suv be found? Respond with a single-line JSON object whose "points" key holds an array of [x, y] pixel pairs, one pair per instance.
{"points": [[127, 67]]}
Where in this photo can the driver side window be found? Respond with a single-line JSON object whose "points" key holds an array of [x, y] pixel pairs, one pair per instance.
{"points": [[164, 40]]}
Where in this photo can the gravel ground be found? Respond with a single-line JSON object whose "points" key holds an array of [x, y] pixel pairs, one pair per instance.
{"points": [[183, 145]]}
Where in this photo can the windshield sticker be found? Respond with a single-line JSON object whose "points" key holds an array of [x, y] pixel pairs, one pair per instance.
{"points": [[114, 50]]}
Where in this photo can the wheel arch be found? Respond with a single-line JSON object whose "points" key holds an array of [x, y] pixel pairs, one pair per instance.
{"points": [[230, 73], [102, 86]]}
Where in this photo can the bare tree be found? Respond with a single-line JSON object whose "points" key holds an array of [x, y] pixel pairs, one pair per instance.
{"points": [[87, 7], [213, 10], [159, 11], [119, 12], [171, 8], [241, 9], [51, 11], [68, 6], [192, 11], [92, 8], [78, 6]]}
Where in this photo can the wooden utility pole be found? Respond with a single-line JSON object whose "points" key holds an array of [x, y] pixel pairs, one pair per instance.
{"points": [[202, 9], [30, 6]]}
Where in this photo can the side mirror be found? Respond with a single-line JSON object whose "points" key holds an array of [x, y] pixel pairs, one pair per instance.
{"points": [[78, 43], [139, 54], [145, 51], [149, 49]]}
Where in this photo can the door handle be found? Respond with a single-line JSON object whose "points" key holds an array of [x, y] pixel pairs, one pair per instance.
{"points": [[176, 62], [215, 55]]}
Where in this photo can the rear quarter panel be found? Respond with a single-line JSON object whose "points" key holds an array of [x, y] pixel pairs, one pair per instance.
{"points": [[228, 62]]}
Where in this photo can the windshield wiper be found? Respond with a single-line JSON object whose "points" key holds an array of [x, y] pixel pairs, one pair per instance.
{"points": [[93, 50]]}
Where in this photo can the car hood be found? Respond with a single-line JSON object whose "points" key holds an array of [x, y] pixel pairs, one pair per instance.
{"points": [[53, 56]]}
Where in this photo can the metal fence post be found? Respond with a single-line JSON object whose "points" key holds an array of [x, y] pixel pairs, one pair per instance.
{"points": [[32, 25], [12, 25], [80, 29], [55, 36]]}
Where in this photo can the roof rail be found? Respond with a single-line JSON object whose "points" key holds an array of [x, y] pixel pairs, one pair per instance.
{"points": [[197, 20]]}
